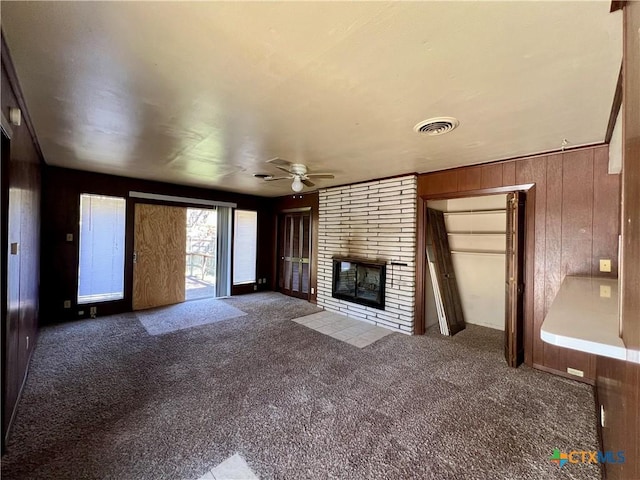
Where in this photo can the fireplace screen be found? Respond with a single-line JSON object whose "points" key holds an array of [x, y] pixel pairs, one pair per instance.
{"points": [[359, 282]]}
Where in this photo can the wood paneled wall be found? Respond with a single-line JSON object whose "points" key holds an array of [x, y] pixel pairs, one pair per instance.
{"points": [[61, 196], [618, 382], [573, 221], [292, 202], [20, 225]]}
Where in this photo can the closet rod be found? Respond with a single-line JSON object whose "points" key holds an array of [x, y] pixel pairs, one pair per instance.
{"points": [[467, 212], [472, 252]]}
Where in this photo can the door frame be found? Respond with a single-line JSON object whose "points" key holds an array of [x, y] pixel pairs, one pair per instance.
{"points": [[279, 217], [526, 323]]}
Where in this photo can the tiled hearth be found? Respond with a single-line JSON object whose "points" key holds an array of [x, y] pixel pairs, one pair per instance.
{"points": [[354, 332]]}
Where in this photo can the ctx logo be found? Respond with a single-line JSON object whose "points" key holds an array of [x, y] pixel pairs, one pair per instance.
{"points": [[586, 456]]}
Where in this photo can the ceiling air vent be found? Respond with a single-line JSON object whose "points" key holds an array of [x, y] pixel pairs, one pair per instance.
{"points": [[437, 126]]}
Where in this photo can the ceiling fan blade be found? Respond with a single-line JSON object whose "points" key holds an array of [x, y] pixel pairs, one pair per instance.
{"points": [[308, 183], [280, 162], [283, 169], [270, 179], [320, 175]]}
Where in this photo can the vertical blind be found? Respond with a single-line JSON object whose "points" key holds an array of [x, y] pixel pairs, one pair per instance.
{"points": [[223, 259], [101, 265], [245, 247]]}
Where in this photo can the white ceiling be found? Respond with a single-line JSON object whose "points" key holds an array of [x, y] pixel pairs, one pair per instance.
{"points": [[204, 93]]}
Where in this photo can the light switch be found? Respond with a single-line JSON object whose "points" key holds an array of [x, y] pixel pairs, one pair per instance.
{"points": [[605, 265], [605, 291], [14, 248], [69, 237]]}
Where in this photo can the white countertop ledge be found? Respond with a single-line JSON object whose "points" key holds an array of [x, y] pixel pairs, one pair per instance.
{"points": [[583, 318]]}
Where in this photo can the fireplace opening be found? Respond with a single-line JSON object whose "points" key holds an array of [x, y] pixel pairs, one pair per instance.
{"points": [[359, 281]]}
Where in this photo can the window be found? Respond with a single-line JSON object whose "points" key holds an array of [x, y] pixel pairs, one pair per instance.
{"points": [[245, 247], [101, 265]]}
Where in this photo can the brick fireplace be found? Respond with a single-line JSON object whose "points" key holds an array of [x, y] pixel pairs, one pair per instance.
{"points": [[371, 222]]}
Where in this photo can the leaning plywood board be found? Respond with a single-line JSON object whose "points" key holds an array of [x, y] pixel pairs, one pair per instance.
{"points": [[431, 312], [437, 239], [442, 318], [160, 242]]}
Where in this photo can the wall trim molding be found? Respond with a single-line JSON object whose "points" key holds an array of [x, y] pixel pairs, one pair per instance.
{"points": [[174, 199], [7, 63]]}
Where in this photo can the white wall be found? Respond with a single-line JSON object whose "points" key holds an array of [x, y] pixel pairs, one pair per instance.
{"points": [[377, 221], [478, 258]]}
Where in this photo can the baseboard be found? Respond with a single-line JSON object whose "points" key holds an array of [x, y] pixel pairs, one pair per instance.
{"points": [[560, 373]]}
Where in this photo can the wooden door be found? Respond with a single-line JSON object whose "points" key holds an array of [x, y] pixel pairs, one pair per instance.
{"points": [[160, 241], [438, 240], [514, 280], [294, 248]]}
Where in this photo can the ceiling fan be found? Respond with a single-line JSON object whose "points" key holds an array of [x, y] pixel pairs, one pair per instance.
{"points": [[297, 172]]}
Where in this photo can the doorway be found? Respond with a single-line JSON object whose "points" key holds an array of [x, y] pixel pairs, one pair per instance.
{"points": [[200, 272], [484, 238], [294, 254]]}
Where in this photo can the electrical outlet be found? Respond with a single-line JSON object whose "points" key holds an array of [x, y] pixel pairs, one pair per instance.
{"points": [[605, 265], [576, 372], [67, 304], [80, 312], [69, 237], [93, 311], [605, 291], [255, 288]]}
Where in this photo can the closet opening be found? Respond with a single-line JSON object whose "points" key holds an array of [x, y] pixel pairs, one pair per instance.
{"points": [[474, 254]]}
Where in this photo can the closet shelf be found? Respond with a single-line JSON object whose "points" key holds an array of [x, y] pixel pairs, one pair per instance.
{"points": [[478, 252], [478, 233], [474, 212]]}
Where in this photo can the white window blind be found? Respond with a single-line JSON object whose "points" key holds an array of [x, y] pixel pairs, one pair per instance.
{"points": [[101, 265], [245, 247]]}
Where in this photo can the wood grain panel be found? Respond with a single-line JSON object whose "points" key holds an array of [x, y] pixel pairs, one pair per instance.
{"points": [[508, 173], [631, 181], [21, 192], [534, 170], [606, 214], [577, 234], [439, 182], [553, 248], [160, 241], [469, 178], [577, 213], [491, 176], [619, 382]]}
